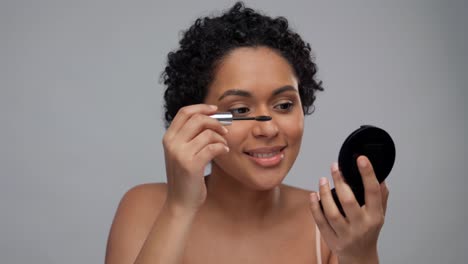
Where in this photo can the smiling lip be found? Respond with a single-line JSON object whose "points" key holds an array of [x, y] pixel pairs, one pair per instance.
{"points": [[266, 157]]}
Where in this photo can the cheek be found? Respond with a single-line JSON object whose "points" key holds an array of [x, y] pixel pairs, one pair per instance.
{"points": [[236, 135], [293, 126]]}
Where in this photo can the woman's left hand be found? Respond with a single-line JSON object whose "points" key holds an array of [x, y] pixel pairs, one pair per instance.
{"points": [[353, 239]]}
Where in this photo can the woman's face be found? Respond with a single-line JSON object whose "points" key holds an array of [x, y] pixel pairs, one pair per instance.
{"points": [[252, 82]]}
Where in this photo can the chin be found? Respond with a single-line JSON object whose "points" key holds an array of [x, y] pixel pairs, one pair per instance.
{"points": [[265, 181]]}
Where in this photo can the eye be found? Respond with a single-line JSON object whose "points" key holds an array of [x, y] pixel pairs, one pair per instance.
{"points": [[239, 111], [285, 107]]}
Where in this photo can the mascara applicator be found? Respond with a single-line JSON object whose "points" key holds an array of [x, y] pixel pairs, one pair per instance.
{"points": [[226, 118]]}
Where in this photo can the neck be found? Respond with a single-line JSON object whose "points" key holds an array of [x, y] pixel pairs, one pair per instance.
{"points": [[238, 202]]}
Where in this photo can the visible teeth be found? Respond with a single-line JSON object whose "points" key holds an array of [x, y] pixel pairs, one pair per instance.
{"points": [[264, 155]]}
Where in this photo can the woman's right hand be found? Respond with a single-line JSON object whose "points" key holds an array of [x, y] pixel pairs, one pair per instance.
{"points": [[192, 140]]}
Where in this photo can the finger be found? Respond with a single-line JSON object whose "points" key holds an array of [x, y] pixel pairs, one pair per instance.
{"points": [[209, 152], [333, 215], [345, 195], [322, 223], [206, 137], [198, 123], [186, 112], [385, 193], [373, 196]]}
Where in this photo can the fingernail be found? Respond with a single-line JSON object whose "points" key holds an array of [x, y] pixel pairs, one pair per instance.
{"points": [[214, 107], [362, 162], [334, 167], [313, 197], [323, 181], [225, 130], [384, 183], [227, 148]]}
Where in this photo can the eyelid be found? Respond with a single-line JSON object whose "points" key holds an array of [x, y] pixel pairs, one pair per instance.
{"points": [[237, 106], [290, 96], [285, 101]]}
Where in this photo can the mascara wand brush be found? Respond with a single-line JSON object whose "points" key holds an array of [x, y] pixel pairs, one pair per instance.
{"points": [[226, 118], [256, 118]]}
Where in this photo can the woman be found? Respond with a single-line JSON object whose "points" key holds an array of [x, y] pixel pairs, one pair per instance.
{"points": [[250, 65]]}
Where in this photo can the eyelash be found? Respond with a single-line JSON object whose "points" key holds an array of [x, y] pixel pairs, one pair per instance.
{"points": [[235, 111], [289, 104], [245, 110]]}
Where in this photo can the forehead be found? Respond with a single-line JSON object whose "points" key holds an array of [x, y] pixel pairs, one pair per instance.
{"points": [[254, 69]]}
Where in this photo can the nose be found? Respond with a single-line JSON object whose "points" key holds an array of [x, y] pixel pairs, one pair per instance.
{"points": [[267, 129]]}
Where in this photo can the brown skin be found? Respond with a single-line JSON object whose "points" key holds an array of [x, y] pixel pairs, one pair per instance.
{"points": [[215, 239], [242, 213]]}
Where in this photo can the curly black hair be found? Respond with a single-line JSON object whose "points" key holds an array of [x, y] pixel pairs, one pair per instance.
{"points": [[190, 69]]}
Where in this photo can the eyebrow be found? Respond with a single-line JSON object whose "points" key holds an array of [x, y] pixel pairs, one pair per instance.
{"points": [[243, 93]]}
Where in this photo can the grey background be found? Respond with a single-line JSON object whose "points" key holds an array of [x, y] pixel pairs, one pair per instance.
{"points": [[80, 112]]}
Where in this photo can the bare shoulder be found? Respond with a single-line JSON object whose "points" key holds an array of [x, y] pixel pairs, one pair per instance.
{"points": [[142, 202], [298, 200], [137, 210], [147, 196]]}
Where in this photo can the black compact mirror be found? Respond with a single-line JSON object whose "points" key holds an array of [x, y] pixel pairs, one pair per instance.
{"points": [[372, 142]]}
